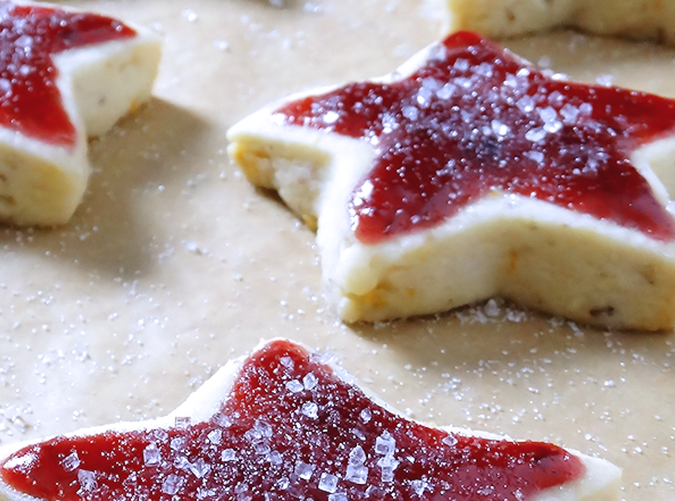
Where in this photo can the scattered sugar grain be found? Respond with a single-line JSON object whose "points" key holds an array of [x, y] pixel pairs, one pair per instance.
{"points": [[312, 8], [172, 484], [200, 468], [181, 462], [71, 462], [535, 156], [544, 62], [328, 483], [492, 309], [160, 434], [446, 91], [295, 386], [410, 112], [182, 422], [304, 470], [224, 46], [309, 381], [420, 486], [450, 440], [536, 135], [358, 434], [262, 449], [222, 420], [178, 443], [193, 247], [310, 409], [605, 80], [387, 465], [189, 15], [500, 129], [570, 113], [330, 117], [215, 436], [261, 431], [151, 454], [357, 472], [553, 126], [87, 480], [462, 65]]}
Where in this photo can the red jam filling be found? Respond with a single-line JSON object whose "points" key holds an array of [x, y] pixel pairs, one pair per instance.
{"points": [[30, 102], [290, 429], [475, 119]]}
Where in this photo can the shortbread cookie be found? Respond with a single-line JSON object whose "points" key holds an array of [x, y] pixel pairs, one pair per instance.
{"points": [[642, 19], [283, 424], [64, 76], [469, 173]]}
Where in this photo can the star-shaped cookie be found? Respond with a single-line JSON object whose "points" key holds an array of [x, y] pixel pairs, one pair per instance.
{"points": [[64, 75], [469, 173], [641, 19], [285, 424]]}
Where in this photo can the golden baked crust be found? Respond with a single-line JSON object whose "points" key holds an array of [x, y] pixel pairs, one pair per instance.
{"points": [[640, 19], [540, 255], [43, 183], [599, 480]]}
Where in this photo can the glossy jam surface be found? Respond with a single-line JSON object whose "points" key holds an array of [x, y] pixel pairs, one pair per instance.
{"points": [[290, 429], [475, 119], [30, 102]]}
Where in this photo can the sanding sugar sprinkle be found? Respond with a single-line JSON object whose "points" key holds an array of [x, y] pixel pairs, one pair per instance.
{"points": [[326, 437], [304, 470], [71, 462], [87, 480], [151, 454], [310, 409], [295, 386], [328, 483]]}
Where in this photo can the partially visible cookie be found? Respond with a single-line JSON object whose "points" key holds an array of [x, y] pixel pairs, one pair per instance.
{"points": [[641, 19], [285, 424], [469, 173], [65, 76]]}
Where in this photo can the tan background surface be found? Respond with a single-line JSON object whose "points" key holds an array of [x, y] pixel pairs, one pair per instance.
{"points": [[174, 263]]}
